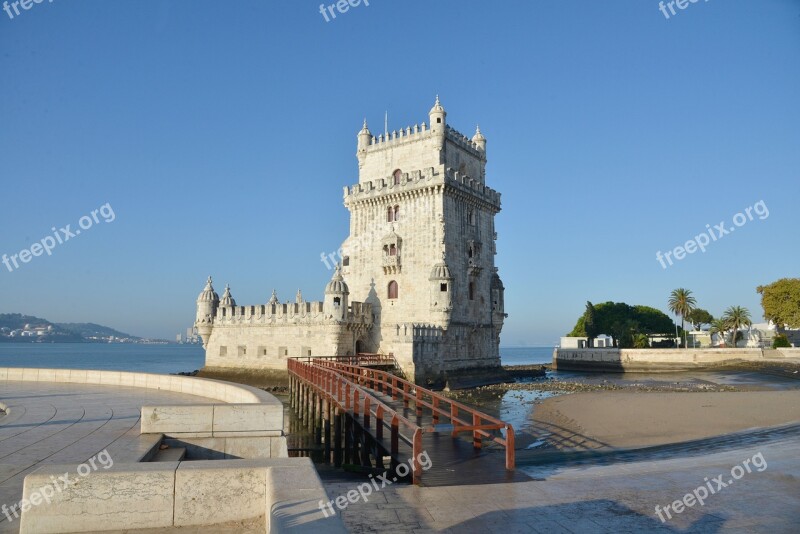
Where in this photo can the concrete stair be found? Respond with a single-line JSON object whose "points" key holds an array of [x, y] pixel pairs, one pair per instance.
{"points": [[176, 454]]}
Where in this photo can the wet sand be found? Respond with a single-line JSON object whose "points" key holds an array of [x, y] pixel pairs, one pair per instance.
{"points": [[616, 419]]}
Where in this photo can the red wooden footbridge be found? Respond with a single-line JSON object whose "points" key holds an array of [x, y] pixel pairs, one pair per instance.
{"points": [[362, 414]]}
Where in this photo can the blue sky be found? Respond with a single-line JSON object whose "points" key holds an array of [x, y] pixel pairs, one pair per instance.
{"points": [[222, 133]]}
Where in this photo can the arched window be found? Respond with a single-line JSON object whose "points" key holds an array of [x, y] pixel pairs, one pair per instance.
{"points": [[392, 289], [390, 214], [397, 213], [397, 175], [472, 291], [392, 250]]}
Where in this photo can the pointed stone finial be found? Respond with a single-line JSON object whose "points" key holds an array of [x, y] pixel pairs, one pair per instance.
{"points": [[299, 297], [437, 100], [274, 298]]}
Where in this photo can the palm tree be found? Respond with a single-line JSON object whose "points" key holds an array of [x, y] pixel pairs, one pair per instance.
{"points": [[681, 302], [737, 317], [719, 327]]}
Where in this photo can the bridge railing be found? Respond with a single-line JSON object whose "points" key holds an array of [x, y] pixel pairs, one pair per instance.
{"points": [[461, 417], [361, 359], [351, 397]]}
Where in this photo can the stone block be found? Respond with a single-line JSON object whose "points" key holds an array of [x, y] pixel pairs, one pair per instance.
{"points": [[232, 419], [220, 491], [171, 420], [130, 497]]}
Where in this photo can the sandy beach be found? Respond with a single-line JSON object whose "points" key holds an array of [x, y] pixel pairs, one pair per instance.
{"points": [[639, 419]]}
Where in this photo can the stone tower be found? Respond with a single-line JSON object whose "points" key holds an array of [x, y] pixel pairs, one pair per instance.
{"points": [[421, 249]]}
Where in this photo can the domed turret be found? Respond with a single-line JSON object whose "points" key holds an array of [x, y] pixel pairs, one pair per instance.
{"points": [[336, 295], [227, 299], [441, 291], [273, 300], [207, 303], [440, 271], [337, 285], [438, 123], [364, 139], [479, 140]]}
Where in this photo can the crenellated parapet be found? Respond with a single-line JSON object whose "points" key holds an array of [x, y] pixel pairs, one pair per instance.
{"points": [[472, 188], [290, 313], [409, 134], [415, 182], [461, 140]]}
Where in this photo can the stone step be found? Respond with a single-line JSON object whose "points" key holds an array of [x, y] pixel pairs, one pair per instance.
{"points": [[173, 454]]}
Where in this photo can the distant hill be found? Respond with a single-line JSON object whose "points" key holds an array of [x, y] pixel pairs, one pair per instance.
{"points": [[17, 327], [88, 330]]}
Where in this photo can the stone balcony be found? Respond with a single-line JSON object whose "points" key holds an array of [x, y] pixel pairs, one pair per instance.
{"points": [[391, 264]]}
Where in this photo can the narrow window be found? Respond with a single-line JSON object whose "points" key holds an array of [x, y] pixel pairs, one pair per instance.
{"points": [[438, 120], [337, 301], [392, 290], [472, 291], [397, 213], [345, 261], [398, 174], [442, 287], [390, 214], [392, 250]]}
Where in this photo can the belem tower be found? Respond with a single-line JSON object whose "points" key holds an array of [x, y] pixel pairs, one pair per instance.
{"points": [[417, 277]]}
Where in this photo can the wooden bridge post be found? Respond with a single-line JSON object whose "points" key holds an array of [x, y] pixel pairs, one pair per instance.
{"points": [[326, 414], [453, 417], [337, 444], [510, 461], [476, 435], [418, 401], [348, 438], [318, 416], [395, 439], [416, 452]]}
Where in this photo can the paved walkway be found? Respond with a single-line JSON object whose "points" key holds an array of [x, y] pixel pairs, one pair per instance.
{"points": [[614, 498], [52, 423]]}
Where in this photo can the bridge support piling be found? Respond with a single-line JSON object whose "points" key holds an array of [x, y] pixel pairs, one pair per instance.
{"points": [[337, 444], [326, 414]]}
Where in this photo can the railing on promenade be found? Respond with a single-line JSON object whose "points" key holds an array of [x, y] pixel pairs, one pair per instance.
{"points": [[461, 418], [351, 397]]}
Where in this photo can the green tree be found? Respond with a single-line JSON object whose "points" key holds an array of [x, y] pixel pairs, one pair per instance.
{"points": [[719, 327], [736, 317], [589, 324], [698, 317], [780, 342], [681, 302], [622, 321], [781, 302], [641, 341]]}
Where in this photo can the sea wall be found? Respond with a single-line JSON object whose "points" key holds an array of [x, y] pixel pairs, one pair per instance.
{"points": [[644, 360]]}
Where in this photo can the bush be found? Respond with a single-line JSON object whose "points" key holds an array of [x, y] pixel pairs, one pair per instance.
{"points": [[781, 342]]}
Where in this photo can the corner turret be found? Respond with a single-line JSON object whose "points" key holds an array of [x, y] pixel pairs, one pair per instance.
{"points": [[336, 295], [438, 118], [207, 304], [364, 139], [479, 140]]}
